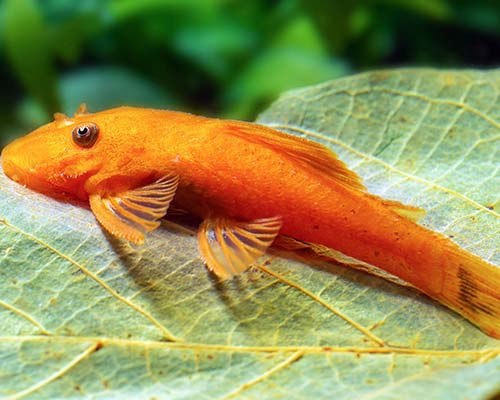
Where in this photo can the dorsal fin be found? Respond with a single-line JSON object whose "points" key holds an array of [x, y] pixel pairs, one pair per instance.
{"points": [[311, 155]]}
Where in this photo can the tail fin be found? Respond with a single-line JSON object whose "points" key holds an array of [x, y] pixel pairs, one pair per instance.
{"points": [[472, 288]]}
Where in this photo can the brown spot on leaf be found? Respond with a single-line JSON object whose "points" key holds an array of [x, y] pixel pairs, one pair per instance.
{"points": [[98, 346]]}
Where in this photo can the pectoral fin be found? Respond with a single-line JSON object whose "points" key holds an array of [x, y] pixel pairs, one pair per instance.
{"points": [[229, 247], [129, 214]]}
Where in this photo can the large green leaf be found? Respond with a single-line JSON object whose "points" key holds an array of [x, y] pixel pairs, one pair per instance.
{"points": [[84, 315]]}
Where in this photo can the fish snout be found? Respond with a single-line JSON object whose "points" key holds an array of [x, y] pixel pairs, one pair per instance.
{"points": [[13, 172], [13, 164], [9, 167]]}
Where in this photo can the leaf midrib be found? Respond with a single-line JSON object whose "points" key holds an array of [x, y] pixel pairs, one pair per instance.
{"points": [[482, 355], [166, 332]]}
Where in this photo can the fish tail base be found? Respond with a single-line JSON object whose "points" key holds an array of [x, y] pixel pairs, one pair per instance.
{"points": [[472, 288]]}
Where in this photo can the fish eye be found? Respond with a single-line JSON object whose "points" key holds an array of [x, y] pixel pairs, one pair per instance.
{"points": [[85, 135]]}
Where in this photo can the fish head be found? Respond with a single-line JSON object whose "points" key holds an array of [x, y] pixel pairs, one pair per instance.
{"points": [[74, 156]]}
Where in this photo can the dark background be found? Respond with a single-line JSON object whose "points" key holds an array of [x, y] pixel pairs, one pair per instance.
{"points": [[219, 57]]}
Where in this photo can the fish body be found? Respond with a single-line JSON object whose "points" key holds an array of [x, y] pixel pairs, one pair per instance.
{"points": [[248, 183]]}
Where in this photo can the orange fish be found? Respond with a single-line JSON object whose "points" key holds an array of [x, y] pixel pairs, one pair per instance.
{"points": [[248, 183]]}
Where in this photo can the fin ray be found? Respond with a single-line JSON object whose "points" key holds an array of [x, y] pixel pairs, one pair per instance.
{"points": [[412, 213], [311, 155], [471, 287], [229, 247], [123, 217]]}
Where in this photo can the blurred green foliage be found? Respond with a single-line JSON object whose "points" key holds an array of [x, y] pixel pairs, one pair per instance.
{"points": [[218, 57]]}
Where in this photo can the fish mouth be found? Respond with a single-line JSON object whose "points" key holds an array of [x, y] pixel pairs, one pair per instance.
{"points": [[11, 170], [25, 162], [24, 177], [27, 177], [34, 181]]}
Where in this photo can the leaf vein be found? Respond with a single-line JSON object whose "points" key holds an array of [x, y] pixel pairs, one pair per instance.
{"points": [[480, 354], [99, 281], [332, 309], [421, 97], [56, 375], [284, 364], [26, 316], [389, 167]]}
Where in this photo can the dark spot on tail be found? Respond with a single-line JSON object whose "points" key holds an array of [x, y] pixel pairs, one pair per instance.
{"points": [[468, 293]]}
